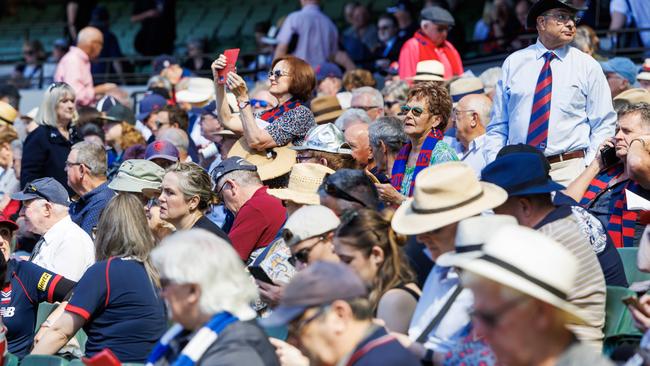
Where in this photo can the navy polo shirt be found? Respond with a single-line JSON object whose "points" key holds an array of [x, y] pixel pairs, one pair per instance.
{"points": [[389, 353], [28, 286], [87, 210], [121, 307]]}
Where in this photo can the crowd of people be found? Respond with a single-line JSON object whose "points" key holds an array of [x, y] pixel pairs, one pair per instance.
{"points": [[314, 219]]}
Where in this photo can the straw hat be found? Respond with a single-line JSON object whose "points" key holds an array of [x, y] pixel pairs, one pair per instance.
{"points": [[7, 113], [471, 235], [303, 186], [634, 96], [465, 86], [644, 74], [326, 109], [429, 70], [271, 164], [197, 90], [445, 193], [529, 262]]}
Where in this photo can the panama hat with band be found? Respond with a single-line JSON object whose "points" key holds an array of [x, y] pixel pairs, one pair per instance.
{"points": [[532, 263], [271, 163], [7, 113], [326, 109], [444, 194], [429, 70], [304, 180], [465, 86]]}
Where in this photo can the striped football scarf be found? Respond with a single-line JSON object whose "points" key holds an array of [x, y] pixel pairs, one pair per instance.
{"points": [[424, 158], [277, 112]]}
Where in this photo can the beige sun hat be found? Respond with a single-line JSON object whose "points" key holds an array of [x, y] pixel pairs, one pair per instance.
{"points": [[271, 163], [326, 109], [471, 235], [445, 193], [303, 185], [531, 263], [644, 74], [8, 113], [634, 96], [429, 70], [465, 86]]}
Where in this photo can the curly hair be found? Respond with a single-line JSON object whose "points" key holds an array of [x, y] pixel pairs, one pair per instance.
{"points": [[438, 100], [130, 136], [366, 229]]}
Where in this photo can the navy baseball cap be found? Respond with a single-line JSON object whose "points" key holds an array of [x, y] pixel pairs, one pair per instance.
{"points": [[231, 164], [161, 149], [520, 174], [162, 62], [210, 108], [44, 188], [150, 103], [319, 284], [622, 66], [328, 69]]}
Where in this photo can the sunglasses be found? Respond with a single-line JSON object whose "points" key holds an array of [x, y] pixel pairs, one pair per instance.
{"points": [[491, 319], [564, 18], [334, 191], [259, 103], [55, 85], [278, 73], [417, 111], [302, 255], [390, 103]]}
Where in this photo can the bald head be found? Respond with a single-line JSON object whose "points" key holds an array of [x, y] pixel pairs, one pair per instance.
{"points": [[90, 40], [478, 103], [472, 115], [357, 137]]}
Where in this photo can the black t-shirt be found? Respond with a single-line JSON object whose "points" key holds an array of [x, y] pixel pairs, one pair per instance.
{"points": [[157, 34], [206, 224]]}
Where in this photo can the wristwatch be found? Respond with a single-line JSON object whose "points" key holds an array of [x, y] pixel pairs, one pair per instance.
{"points": [[243, 104]]}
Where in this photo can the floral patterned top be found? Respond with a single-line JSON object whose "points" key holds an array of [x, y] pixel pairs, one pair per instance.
{"points": [[470, 352], [292, 126], [440, 154]]}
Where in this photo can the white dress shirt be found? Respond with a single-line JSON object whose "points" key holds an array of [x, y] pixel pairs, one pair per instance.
{"points": [[581, 116], [474, 156], [67, 250], [455, 325]]}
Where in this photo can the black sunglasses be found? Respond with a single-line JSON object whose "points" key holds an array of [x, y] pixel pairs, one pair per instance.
{"points": [[334, 191], [302, 255], [277, 73]]}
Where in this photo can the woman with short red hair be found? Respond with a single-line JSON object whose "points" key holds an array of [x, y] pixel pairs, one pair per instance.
{"points": [[292, 83]]}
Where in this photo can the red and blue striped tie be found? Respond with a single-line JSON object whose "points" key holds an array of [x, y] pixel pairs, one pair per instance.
{"points": [[538, 127]]}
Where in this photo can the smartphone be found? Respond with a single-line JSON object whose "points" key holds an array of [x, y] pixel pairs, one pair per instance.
{"points": [[259, 274], [231, 59], [608, 156]]}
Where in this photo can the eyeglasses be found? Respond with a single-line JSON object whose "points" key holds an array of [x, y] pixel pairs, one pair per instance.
{"points": [[390, 103], [365, 108], [302, 255], [491, 319], [563, 18], [55, 85], [417, 111], [152, 202], [295, 327], [160, 124], [334, 191], [455, 112], [444, 28], [259, 103], [69, 164], [302, 158], [278, 73], [221, 189], [384, 27]]}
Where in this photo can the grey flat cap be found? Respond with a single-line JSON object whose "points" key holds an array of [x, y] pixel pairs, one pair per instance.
{"points": [[437, 15]]}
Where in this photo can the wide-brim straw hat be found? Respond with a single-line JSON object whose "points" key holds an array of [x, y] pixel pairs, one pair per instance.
{"points": [[465, 86], [531, 263], [634, 96], [429, 70], [8, 113], [195, 90], [304, 180], [445, 193], [326, 109], [271, 163]]}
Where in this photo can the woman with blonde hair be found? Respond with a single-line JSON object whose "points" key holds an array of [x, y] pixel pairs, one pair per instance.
{"points": [[366, 242], [186, 194], [49, 144], [116, 301]]}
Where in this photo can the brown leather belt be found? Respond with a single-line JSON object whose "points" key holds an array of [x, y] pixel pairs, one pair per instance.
{"points": [[566, 156]]}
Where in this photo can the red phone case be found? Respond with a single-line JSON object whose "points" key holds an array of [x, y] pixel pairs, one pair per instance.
{"points": [[231, 59], [103, 358]]}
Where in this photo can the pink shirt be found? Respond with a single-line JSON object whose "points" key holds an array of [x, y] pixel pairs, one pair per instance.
{"points": [[74, 69]]}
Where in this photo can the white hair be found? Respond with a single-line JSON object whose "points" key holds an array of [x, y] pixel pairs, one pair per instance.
{"points": [[351, 115], [490, 78], [199, 257], [376, 99], [176, 136], [46, 115]]}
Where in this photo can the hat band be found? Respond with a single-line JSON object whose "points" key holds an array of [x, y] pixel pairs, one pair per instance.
{"points": [[328, 110], [509, 267], [419, 73], [469, 248], [6, 120], [457, 97], [446, 208]]}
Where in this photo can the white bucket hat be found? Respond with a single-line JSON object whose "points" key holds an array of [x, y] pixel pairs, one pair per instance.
{"points": [[531, 263], [471, 235], [429, 70], [445, 193], [304, 180]]}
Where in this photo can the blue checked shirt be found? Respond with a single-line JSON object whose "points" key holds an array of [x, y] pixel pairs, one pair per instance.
{"points": [[582, 115], [85, 212]]}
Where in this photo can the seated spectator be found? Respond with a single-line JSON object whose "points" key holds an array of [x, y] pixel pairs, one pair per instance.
{"points": [[325, 145], [196, 61], [172, 116], [120, 134], [292, 84], [258, 215], [116, 301], [395, 94], [643, 77], [209, 295], [532, 326], [186, 194], [326, 308], [304, 180], [351, 117], [529, 189], [582, 41], [470, 116], [348, 189], [425, 118], [149, 106], [444, 194], [168, 67], [370, 100], [86, 168], [390, 42], [9, 183], [601, 187], [179, 139], [64, 247], [329, 79], [31, 74], [163, 153], [386, 136], [308, 233], [620, 73], [262, 99], [357, 137], [59, 49], [24, 286], [366, 242]]}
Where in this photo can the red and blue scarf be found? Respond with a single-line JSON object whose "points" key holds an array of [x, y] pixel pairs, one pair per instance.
{"points": [[622, 221], [272, 114], [424, 159]]}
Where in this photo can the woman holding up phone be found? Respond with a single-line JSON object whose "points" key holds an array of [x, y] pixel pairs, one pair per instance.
{"points": [[292, 83]]}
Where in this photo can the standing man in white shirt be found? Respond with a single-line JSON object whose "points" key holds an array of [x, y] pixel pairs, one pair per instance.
{"points": [[552, 96], [64, 247], [471, 115]]}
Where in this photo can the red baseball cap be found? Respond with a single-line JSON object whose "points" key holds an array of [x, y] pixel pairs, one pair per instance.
{"points": [[5, 220]]}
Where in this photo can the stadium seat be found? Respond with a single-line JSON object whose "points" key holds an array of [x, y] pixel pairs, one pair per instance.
{"points": [[11, 360], [43, 360], [619, 325], [44, 310], [76, 362], [628, 256]]}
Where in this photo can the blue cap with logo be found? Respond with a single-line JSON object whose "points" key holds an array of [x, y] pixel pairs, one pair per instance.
{"points": [[44, 188], [622, 66], [150, 103]]}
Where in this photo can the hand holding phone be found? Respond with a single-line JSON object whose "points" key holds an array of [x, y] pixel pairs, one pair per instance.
{"points": [[608, 156], [231, 59]]}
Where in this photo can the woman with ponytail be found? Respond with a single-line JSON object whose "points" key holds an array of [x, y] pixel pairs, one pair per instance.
{"points": [[367, 243]]}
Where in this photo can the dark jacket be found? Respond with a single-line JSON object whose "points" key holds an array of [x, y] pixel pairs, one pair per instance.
{"points": [[45, 152], [86, 211], [206, 224]]}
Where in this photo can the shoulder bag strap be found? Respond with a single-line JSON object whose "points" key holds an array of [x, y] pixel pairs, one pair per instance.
{"points": [[441, 314]]}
